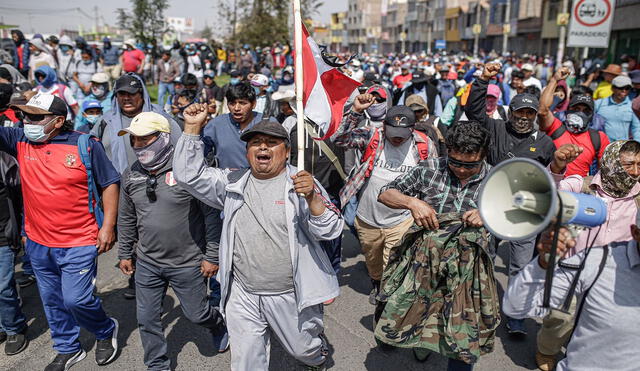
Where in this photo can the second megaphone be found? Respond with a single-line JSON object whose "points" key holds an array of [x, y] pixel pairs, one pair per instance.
{"points": [[518, 200]]}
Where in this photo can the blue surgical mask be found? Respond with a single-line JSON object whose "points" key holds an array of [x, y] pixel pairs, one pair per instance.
{"points": [[234, 81], [93, 119], [36, 133], [257, 90], [87, 62], [64, 48]]}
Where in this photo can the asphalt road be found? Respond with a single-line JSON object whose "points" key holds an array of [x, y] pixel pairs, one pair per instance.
{"points": [[348, 325]]}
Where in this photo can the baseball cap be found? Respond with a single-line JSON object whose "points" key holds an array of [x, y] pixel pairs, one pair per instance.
{"points": [[400, 117], [284, 95], [100, 78], [406, 66], [259, 80], [271, 128], [635, 76], [493, 90], [527, 66], [44, 104], [209, 73], [235, 73], [130, 42], [146, 123], [416, 103], [89, 104], [524, 100], [379, 90], [128, 83], [581, 99], [621, 81]]}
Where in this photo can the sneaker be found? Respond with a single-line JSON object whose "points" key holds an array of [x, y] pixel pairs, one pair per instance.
{"points": [[26, 280], [329, 302], [421, 354], [63, 362], [107, 349], [16, 343], [3, 336], [516, 327], [221, 341], [324, 348], [545, 362]]}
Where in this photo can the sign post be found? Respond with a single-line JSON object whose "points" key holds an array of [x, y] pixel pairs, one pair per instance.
{"points": [[590, 24]]}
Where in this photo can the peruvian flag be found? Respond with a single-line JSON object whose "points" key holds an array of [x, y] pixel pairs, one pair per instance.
{"points": [[326, 89]]}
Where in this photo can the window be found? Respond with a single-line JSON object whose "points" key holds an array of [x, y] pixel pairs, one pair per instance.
{"points": [[554, 10]]}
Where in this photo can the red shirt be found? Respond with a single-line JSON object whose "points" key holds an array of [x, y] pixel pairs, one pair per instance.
{"points": [[132, 59], [10, 119], [400, 80], [581, 165]]}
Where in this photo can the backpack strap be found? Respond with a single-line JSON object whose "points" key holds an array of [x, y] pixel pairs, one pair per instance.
{"points": [[558, 133], [595, 140], [84, 150], [502, 112], [370, 151], [423, 147], [326, 150]]}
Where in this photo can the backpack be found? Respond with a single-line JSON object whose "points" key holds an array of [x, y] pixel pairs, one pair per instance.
{"points": [[369, 152], [95, 201]]}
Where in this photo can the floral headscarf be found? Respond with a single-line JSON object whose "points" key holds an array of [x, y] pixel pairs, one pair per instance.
{"points": [[615, 180]]}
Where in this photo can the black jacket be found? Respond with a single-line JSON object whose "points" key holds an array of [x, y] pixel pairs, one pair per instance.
{"points": [[10, 202], [506, 144]]}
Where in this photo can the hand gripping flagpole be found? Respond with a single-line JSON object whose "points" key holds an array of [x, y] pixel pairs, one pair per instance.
{"points": [[297, 27]]}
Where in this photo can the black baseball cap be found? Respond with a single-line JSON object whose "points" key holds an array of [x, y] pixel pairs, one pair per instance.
{"points": [[44, 104], [400, 117], [524, 100], [128, 83], [271, 128], [582, 99], [235, 73]]}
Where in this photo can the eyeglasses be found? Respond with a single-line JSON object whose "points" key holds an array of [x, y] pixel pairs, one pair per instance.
{"points": [[462, 164], [152, 183], [626, 88]]}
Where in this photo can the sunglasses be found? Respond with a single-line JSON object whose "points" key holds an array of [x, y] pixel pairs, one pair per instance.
{"points": [[461, 164], [152, 183], [21, 115], [626, 88]]}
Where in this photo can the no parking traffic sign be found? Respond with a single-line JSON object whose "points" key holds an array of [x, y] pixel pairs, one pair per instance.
{"points": [[591, 23]]}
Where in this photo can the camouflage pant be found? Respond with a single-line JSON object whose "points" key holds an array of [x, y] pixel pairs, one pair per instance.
{"points": [[440, 293]]}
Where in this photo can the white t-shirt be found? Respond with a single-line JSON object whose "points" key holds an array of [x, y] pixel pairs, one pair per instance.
{"points": [[194, 66], [36, 61], [393, 162]]}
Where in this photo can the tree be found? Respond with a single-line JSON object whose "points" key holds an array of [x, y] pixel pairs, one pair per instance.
{"points": [[146, 20], [207, 32], [262, 22]]}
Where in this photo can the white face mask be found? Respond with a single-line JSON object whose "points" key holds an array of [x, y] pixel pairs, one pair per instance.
{"points": [[36, 133]]}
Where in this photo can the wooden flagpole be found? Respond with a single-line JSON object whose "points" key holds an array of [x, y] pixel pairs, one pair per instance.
{"points": [[297, 29]]}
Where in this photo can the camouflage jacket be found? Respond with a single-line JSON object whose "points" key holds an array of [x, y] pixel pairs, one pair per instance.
{"points": [[439, 292]]}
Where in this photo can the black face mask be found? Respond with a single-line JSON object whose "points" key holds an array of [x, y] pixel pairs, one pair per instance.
{"points": [[521, 125], [577, 121]]}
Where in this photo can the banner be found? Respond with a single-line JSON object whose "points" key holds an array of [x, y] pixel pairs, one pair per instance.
{"points": [[590, 24]]}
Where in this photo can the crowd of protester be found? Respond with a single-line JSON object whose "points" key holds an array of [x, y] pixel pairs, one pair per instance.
{"points": [[198, 191]]}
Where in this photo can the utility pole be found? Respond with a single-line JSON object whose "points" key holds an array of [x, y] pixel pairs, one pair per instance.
{"points": [[95, 20], [429, 27], [476, 41], [506, 29], [562, 36], [235, 25]]}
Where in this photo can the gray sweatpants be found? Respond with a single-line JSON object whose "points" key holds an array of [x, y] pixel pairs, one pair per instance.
{"points": [[249, 318], [520, 254], [151, 288]]}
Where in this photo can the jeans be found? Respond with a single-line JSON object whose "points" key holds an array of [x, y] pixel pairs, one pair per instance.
{"points": [[151, 287], [12, 321], [165, 89], [66, 279], [27, 269], [333, 248]]}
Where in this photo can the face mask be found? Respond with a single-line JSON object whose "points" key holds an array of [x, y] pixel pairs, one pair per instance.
{"points": [[99, 91], [577, 122], [37, 133], [86, 62], [93, 119], [155, 155], [556, 101], [37, 53], [521, 125], [377, 111], [234, 81], [64, 48], [257, 90]]}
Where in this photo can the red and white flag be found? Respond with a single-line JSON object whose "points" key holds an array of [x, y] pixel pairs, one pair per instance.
{"points": [[326, 89]]}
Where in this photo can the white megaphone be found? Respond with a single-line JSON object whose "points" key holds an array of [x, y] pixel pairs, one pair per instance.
{"points": [[518, 200]]}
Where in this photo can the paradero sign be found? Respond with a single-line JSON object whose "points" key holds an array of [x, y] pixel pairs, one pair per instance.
{"points": [[592, 13]]}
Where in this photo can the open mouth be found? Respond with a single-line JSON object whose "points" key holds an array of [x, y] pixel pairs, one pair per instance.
{"points": [[263, 158]]}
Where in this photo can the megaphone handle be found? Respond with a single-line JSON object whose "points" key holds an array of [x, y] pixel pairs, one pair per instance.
{"points": [[551, 263]]}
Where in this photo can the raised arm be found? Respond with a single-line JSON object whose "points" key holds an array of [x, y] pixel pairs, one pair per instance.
{"points": [[476, 107], [545, 115], [349, 135], [189, 166]]}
